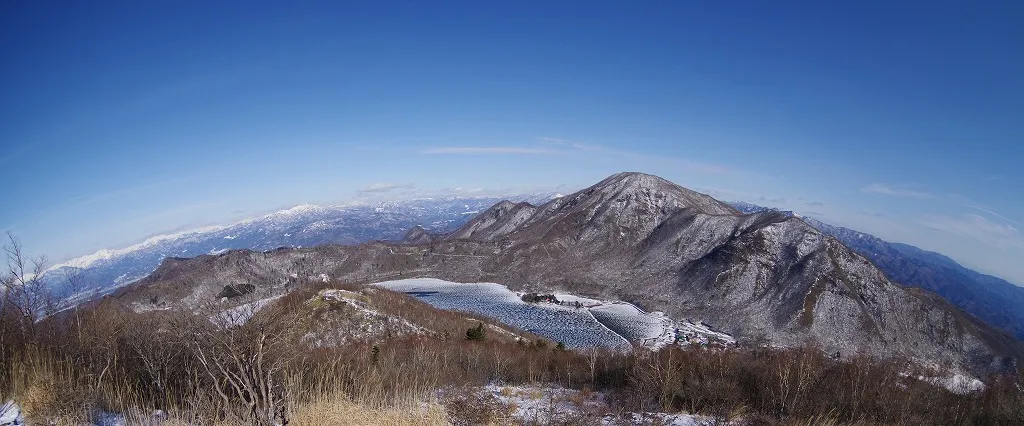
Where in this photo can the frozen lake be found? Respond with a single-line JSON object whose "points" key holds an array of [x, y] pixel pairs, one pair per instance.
{"points": [[576, 328]]}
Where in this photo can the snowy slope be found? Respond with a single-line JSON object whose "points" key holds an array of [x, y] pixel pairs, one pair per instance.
{"points": [[993, 300]]}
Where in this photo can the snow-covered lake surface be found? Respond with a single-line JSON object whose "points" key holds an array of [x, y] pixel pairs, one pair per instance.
{"points": [[634, 324], [578, 322], [576, 328]]}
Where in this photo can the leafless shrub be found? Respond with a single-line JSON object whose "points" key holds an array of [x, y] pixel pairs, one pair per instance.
{"points": [[23, 293], [469, 408], [246, 362]]}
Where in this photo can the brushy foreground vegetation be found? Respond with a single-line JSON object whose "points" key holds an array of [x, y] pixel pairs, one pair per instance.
{"points": [[64, 369]]}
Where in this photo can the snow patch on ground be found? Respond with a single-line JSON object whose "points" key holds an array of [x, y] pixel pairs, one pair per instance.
{"points": [[139, 307], [355, 320], [700, 333], [956, 382], [240, 314], [586, 302], [10, 414], [557, 405]]}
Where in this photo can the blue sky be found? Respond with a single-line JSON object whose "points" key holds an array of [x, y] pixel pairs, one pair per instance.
{"points": [[133, 119]]}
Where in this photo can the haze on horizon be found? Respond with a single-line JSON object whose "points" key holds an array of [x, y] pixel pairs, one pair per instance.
{"points": [[126, 120]]}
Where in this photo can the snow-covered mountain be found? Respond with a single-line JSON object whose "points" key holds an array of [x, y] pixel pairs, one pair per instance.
{"points": [[748, 208], [994, 300], [300, 226]]}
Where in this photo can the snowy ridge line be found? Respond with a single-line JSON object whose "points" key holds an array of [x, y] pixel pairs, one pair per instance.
{"points": [[104, 254], [90, 260]]}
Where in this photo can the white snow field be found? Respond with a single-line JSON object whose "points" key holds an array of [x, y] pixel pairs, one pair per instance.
{"points": [[240, 314], [575, 328]]}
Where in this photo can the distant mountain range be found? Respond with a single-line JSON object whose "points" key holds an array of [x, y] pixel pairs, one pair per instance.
{"points": [[766, 276], [993, 300], [301, 226]]}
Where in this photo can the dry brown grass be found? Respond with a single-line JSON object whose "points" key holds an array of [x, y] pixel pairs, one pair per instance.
{"points": [[330, 410], [48, 392]]}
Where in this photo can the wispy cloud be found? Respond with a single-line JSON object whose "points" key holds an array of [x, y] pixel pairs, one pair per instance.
{"points": [[1004, 236], [993, 213], [485, 150], [384, 187], [905, 191], [570, 144]]}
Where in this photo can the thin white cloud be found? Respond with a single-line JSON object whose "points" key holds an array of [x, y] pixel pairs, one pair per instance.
{"points": [[385, 187], [993, 213], [1000, 235], [570, 144], [896, 191], [484, 150]]}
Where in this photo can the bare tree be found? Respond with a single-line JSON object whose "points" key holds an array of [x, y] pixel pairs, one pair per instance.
{"points": [[246, 360], [24, 290], [159, 349]]}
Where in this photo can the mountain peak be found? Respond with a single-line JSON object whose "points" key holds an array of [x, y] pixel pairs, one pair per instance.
{"points": [[656, 191], [635, 180], [635, 177], [497, 221], [624, 206], [418, 235]]}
